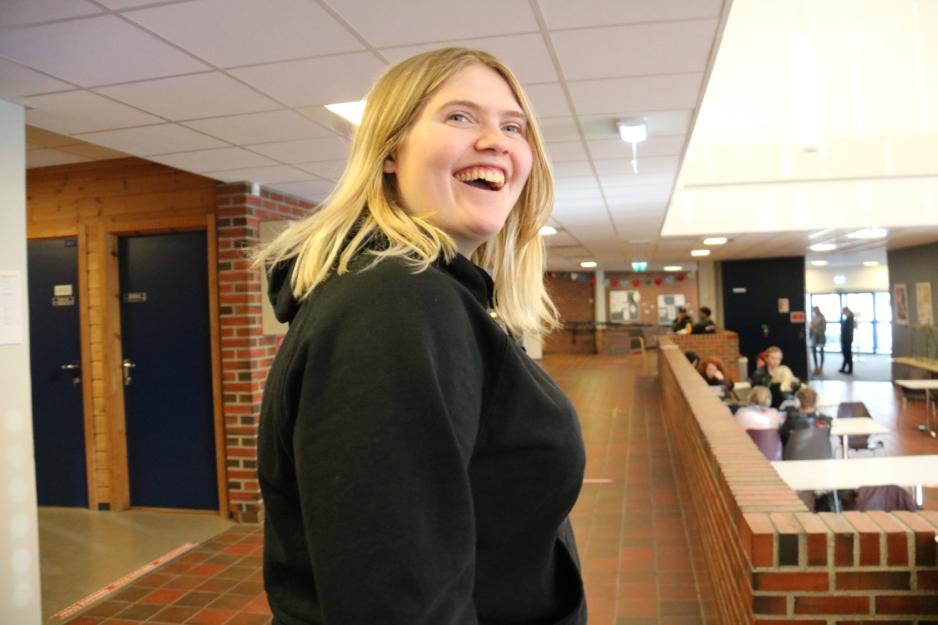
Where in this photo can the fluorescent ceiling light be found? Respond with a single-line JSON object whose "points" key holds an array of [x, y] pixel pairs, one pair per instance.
{"points": [[715, 241], [588, 264], [351, 111], [871, 263], [869, 233], [822, 247], [547, 231], [840, 279], [700, 252], [818, 263], [673, 267]]}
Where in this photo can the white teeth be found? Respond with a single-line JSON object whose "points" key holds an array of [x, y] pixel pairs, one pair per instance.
{"points": [[494, 176]]}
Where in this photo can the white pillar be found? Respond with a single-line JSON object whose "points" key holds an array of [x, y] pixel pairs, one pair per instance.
{"points": [[708, 293], [599, 297], [20, 600]]}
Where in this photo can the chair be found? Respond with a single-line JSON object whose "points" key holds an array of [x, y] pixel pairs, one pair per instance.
{"points": [[810, 443], [768, 442], [853, 409], [885, 498], [637, 342]]}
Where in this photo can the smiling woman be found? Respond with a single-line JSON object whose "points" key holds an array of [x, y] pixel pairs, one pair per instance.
{"points": [[417, 466]]}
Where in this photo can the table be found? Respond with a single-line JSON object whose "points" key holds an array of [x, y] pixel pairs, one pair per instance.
{"points": [[913, 471], [923, 385], [928, 364], [855, 426]]}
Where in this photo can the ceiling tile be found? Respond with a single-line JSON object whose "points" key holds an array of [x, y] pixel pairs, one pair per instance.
{"points": [[654, 146], [427, 20], [189, 97], [341, 78], [45, 157], [260, 127], [526, 55], [646, 165], [325, 149], [566, 169], [262, 175], [313, 189], [81, 111], [561, 151], [640, 50], [575, 184], [20, 81], [245, 32], [559, 129], [95, 51], [213, 160], [149, 140], [628, 179], [628, 95], [94, 152], [120, 5], [566, 14], [330, 170], [675, 122], [548, 100], [29, 11]]}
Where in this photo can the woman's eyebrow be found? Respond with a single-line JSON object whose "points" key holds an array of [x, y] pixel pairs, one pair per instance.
{"points": [[516, 113]]}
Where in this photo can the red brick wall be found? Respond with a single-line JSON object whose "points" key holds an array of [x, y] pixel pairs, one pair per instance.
{"points": [[246, 352], [724, 345], [574, 301], [771, 561], [650, 292]]}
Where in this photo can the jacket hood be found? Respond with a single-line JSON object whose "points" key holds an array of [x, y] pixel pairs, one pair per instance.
{"points": [[280, 291]]}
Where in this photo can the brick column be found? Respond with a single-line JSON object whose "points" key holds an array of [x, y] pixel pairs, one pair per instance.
{"points": [[246, 352]]}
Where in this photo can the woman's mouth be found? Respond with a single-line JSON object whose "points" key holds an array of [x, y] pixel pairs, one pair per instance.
{"points": [[487, 178]]}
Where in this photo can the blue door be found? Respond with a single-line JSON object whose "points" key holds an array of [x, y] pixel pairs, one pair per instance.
{"points": [[55, 354], [167, 371]]}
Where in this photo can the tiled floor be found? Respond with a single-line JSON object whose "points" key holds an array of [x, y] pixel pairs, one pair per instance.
{"points": [[639, 554]]}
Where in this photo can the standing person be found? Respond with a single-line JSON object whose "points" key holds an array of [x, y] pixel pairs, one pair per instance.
{"points": [[818, 337], [417, 467], [846, 340]]}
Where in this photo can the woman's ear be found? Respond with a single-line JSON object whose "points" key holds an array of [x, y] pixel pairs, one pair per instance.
{"points": [[390, 166]]}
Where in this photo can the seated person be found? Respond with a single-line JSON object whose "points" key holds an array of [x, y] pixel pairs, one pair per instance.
{"points": [[683, 323], [771, 359], [758, 415], [693, 358], [806, 416], [783, 386], [714, 374], [705, 325]]}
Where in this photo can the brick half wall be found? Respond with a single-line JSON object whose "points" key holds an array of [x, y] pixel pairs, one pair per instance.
{"points": [[246, 352], [770, 560]]}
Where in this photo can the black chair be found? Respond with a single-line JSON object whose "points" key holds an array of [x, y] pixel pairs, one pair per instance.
{"points": [[810, 443], [885, 498]]}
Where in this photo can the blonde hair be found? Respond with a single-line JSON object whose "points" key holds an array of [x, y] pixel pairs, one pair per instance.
{"points": [[363, 203], [760, 396], [785, 378]]}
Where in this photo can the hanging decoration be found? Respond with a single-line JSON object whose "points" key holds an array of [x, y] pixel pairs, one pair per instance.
{"points": [[680, 277], [658, 281], [636, 282]]}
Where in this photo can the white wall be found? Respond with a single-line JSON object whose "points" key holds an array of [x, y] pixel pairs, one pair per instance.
{"points": [[821, 279], [19, 542], [708, 293]]}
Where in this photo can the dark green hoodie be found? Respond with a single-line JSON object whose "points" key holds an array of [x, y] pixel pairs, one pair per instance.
{"points": [[417, 466]]}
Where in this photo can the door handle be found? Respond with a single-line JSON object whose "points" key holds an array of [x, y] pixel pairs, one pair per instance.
{"points": [[75, 369], [126, 368]]}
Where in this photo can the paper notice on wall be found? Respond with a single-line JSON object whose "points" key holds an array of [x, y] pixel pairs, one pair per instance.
{"points": [[784, 306], [11, 308]]}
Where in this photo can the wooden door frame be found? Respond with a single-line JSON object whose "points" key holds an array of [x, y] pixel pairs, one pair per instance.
{"points": [[109, 233], [67, 230]]}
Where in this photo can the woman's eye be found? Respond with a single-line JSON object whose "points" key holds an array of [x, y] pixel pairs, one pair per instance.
{"points": [[457, 117], [515, 128]]}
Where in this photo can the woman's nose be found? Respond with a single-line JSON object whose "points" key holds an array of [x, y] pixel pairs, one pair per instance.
{"points": [[492, 137]]}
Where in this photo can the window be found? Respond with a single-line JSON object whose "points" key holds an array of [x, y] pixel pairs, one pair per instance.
{"points": [[872, 313]]}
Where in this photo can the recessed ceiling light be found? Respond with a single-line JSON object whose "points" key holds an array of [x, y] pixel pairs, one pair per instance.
{"points": [[869, 233], [818, 263], [588, 264], [700, 252], [351, 111], [547, 231], [840, 279], [871, 263], [715, 241], [822, 247], [673, 267]]}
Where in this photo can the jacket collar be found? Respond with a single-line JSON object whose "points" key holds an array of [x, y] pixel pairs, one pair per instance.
{"points": [[471, 276]]}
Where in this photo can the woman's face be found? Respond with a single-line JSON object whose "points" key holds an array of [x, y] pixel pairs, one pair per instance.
{"points": [[711, 370], [465, 158]]}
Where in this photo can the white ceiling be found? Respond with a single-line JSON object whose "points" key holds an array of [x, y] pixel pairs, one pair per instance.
{"points": [[233, 90]]}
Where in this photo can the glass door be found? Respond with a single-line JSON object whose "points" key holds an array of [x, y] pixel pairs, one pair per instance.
{"points": [[872, 313]]}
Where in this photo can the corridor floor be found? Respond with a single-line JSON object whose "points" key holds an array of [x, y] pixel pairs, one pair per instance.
{"points": [[636, 548]]}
